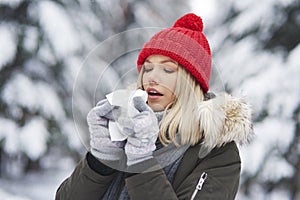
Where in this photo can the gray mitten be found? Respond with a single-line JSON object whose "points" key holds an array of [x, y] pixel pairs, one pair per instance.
{"points": [[101, 145], [142, 133]]}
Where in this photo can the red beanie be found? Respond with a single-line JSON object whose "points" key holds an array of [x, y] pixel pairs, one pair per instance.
{"points": [[185, 43]]}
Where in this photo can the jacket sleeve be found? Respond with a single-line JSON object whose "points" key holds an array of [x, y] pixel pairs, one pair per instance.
{"points": [[222, 167], [84, 183]]}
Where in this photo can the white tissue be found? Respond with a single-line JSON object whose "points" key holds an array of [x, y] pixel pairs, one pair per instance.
{"points": [[124, 99]]}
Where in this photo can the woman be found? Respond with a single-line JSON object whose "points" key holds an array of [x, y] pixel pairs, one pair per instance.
{"points": [[174, 69]]}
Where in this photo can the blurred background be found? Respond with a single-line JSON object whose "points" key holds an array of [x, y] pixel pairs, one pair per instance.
{"points": [[57, 58]]}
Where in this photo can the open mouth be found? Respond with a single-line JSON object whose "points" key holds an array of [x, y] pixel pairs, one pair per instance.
{"points": [[152, 92]]}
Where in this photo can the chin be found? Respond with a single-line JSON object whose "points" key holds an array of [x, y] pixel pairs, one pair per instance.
{"points": [[157, 107]]}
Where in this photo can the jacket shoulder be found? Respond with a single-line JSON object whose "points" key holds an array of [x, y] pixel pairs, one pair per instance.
{"points": [[223, 155], [226, 153]]}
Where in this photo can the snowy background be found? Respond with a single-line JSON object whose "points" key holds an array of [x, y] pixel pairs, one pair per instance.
{"points": [[57, 58]]}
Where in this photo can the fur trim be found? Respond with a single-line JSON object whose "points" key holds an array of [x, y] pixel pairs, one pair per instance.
{"points": [[224, 119]]}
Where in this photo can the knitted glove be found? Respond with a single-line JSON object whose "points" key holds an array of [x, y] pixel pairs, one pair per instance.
{"points": [[101, 145], [142, 133]]}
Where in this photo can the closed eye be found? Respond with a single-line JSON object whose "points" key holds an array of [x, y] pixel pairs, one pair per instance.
{"points": [[169, 70]]}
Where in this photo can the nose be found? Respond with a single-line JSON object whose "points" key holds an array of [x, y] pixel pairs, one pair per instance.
{"points": [[153, 77], [152, 81]]}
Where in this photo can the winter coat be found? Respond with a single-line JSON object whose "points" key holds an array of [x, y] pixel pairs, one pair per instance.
{"points": [[208, 170]]}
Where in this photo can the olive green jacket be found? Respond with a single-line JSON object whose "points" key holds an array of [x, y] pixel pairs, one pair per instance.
{"points": [[222, 166], [216, 157]]}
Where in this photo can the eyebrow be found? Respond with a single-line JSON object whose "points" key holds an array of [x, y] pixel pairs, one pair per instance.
{"points": [[164, 61]]}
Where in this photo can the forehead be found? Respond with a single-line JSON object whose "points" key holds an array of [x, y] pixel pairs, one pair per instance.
{"points": [[159, 59]]}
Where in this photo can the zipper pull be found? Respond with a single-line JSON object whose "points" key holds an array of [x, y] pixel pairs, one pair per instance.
{"points": [[200, 184]]}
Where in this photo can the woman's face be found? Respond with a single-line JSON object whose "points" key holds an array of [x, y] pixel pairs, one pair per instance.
{"points": [[159, 81]]}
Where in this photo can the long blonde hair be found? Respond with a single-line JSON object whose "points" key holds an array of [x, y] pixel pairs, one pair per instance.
{"points": [[182, 118]]}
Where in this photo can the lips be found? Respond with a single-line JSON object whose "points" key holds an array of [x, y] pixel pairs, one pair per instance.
{"points": [[153, 92]]}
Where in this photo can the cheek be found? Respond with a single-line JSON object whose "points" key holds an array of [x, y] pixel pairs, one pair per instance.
{"points": [[172, 84], [144, 79]]}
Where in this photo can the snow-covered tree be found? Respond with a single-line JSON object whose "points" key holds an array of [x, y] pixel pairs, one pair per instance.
{"points": [[256, 51], [37, 42], [57, 58]]}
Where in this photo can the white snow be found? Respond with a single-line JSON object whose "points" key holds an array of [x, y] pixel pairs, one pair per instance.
{"points": [[74, 139], [34, 138], [205, 9], [257, 192], [22, 91], [252, 17], [7, 44], [271, 134], [7, 196], [46, 54], [9, 133], [240, 60], [277, 86], [276, 168], [12, 3], [36, 68], [41, 184], [31, 38], [49, 102], [31, 139], [19, 91], [257, 15], [58, 27]]}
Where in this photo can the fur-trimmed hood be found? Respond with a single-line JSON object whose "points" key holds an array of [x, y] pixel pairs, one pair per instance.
{"points": [[223, 119]]}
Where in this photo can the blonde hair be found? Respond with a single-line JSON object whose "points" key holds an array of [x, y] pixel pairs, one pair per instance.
{"points": [[182, 118]]}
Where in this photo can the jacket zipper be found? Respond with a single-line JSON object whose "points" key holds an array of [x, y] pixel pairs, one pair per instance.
{"points": [[199, 185]]}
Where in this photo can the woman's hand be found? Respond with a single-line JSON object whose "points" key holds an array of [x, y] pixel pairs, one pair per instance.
{"points": [[142, 131], [101, 145]]}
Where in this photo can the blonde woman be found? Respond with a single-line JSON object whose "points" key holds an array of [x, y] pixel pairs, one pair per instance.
{"points": [[181, 142]]}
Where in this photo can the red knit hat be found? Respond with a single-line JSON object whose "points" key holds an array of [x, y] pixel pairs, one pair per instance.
{"points": [[185, 43]]}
